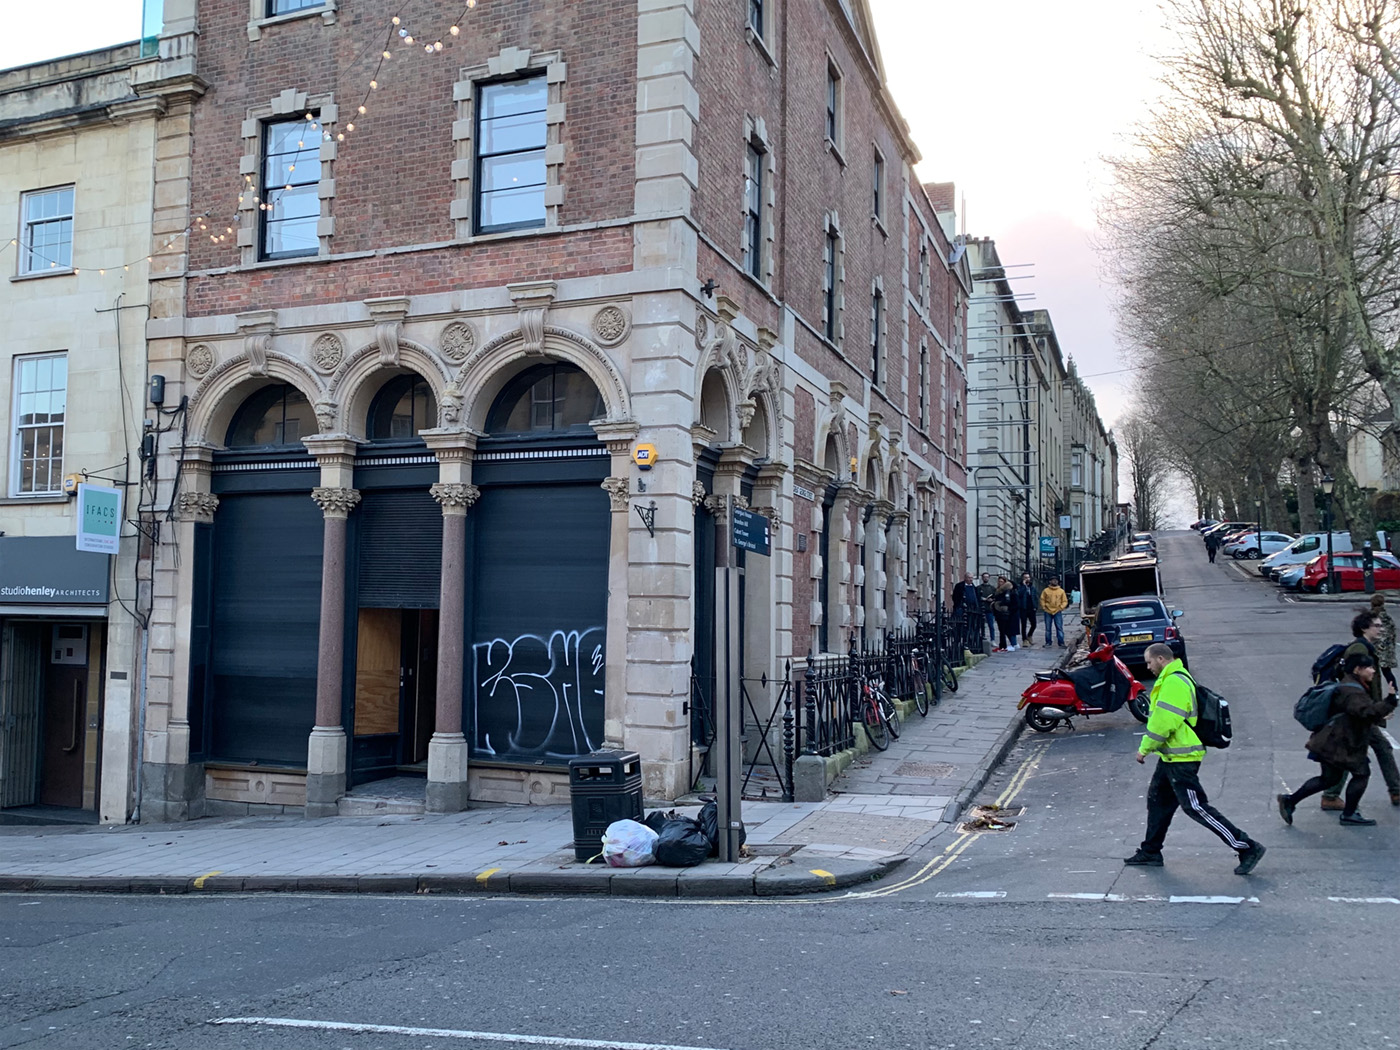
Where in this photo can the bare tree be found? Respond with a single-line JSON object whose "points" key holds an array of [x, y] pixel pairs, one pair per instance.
{"points": [[1149, 468]]}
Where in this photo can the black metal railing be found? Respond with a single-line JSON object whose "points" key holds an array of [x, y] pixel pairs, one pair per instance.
{"points": [[763, 734], [828, 691]]}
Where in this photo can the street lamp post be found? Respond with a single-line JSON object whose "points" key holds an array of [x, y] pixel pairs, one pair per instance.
{"points": [[1329, 483], [1259, 525]]}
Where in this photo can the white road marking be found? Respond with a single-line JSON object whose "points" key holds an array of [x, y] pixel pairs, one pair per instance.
{"points": [[1386, 733], [451, 1033], [976, 894], [1364, 900], [1151, 899]]}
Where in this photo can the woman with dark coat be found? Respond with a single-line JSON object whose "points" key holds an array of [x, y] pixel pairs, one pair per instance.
{"points": [[1008, 618], [1341, 744]]}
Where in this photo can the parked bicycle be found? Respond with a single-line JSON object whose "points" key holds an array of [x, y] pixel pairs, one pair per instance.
{"points": [[931, 683], [879, 714]]}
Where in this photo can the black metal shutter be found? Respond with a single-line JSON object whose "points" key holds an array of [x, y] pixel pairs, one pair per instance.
{"points": [[266, 627], [539, 603], [400, 558]]}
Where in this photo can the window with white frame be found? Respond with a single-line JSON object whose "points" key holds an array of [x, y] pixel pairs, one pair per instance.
{"points": [[1076, 468], [923, 386], [831, 279], [833, 105], [877, 188], [286, 7], [753, 209], [291, 204], [923, 274], [756, 15], [46, 234], [40, 401], [877, 341], [511, 136]]}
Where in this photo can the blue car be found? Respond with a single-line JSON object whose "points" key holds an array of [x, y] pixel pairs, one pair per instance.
{"points": [[1292, 577], [1132, 624]]}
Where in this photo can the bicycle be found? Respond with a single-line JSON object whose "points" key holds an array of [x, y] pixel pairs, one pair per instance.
{"points": [[879, 715], [924, 693], [945, 677]]}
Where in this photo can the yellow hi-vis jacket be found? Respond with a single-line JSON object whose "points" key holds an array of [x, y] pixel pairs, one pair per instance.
{"points": [[1170, 724]]}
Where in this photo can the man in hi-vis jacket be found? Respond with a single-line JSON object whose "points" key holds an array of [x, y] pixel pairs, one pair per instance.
{"points": [[1176, 781]]}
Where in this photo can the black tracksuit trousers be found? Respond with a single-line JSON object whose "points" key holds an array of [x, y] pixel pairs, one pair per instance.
{"points": [[1177, 785]]}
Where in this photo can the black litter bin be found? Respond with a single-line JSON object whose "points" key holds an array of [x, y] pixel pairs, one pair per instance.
{"points": [[603, 787]]}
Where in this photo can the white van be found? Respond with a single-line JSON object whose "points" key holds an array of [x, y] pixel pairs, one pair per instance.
{"points": [[1303, 550]]}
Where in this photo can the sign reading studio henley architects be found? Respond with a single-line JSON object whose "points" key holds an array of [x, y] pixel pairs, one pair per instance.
{"points": [[99, 519], [46, 570]]}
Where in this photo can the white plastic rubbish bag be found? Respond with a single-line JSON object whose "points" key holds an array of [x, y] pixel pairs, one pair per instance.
{"points": [[628, 844]]}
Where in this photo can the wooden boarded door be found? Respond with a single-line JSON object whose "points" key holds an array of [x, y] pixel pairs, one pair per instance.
{"points": [[378, 691]]}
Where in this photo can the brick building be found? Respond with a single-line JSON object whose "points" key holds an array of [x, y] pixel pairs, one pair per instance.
{"points": [[439, 306]]}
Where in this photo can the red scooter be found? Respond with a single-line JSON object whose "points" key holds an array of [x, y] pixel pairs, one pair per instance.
{"points": [[1099, 687]]}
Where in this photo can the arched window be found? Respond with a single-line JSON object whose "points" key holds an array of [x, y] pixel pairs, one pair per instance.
{"points": [[274, 415], [544, 399], [404, 406]]}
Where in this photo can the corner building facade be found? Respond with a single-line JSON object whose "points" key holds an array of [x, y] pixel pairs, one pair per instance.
{"points": [[420, 348]]}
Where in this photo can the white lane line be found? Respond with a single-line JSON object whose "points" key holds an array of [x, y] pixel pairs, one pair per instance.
{"points": [[975, 894], [1151, 899], [1364, 900], [451, 1033]]}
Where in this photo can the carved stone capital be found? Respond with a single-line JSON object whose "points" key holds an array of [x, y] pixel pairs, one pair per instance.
{"points": [[455, 497], [618, 490], [198, 506], [718, 506], [617, 435], [335, 503], [697, 492]]}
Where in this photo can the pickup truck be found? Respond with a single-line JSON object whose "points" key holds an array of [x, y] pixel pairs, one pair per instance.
{"points": [[1125, 577]]}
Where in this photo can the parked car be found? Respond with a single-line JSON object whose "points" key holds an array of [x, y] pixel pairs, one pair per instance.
{"points": [[1132, 624], [1350, 575], [1303, 550], [1142, 547], [1252, 544], [1204, 523], [1291, 578], [1221, 529], [1143, 537]]}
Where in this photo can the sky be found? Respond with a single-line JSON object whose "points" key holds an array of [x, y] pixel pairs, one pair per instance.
{"points": [[1017, 102]]}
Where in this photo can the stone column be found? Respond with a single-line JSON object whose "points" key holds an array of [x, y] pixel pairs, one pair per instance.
{"points": [[327, 753], [618, 437], [447, 750]]}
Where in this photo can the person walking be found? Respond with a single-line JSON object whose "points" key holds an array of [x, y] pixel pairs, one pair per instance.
{"points": [[985, 590], [1368, 630], [1176, 782], [1025, 608], [1053, 603], [968, 606], [1212, 545], [1385, 644], [1341, 744], [1004, 611]]}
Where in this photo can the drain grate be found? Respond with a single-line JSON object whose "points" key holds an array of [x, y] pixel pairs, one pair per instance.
{"points": [[925, 769]]}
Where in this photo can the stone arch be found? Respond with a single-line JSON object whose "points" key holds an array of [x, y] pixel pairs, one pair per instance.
{"points": [[762, 434], [224, 390], [833, 426], [486, 372], [364, 372], [715, 405]]}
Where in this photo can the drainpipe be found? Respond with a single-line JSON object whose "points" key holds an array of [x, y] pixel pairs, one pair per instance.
{"points": [[140, 725]]}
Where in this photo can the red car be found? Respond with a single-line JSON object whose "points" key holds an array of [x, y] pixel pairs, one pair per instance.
{"points": [[1349, 573]]}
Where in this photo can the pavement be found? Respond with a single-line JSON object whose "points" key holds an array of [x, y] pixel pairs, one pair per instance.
{"points": [[882, 810]]}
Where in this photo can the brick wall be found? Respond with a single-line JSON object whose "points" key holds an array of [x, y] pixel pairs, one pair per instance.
{"points": [[393, 184]]}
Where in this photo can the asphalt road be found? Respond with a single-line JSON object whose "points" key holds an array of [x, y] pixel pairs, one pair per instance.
{"points": [[1034, 938]]}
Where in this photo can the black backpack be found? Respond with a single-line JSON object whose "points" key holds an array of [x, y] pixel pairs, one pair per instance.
{"points": [[1328, 666], [1213, 724]]}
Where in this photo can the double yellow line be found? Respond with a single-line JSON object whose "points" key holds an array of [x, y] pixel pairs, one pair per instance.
{"points": [[958, 846]]}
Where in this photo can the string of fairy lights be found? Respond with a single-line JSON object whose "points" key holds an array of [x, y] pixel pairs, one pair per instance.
{"points": [[205, 223]]}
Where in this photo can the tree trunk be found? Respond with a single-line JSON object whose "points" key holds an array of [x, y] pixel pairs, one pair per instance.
{"points": [[1307, 498]]}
